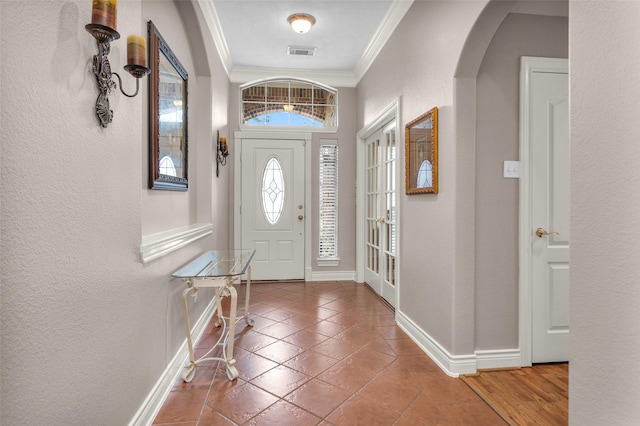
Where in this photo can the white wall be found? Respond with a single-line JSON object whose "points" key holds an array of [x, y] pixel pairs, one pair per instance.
{"points": [[605, 203], [418, 64], [87, 329], [497, 124]]}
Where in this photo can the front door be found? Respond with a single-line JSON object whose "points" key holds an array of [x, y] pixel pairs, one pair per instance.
{"points": [[381, 218], [273, 207], [550, 215]]}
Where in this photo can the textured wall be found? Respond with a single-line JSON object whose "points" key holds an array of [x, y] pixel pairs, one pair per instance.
{"points": [[605, 225], [497, 139], [87, 329], [417, 64]]}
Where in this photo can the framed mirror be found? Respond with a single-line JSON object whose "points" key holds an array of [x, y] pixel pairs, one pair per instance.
{"points": [[168, 142], [421, 154]]}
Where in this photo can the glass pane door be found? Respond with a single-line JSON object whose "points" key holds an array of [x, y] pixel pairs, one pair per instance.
{"points": [[381, 218]]}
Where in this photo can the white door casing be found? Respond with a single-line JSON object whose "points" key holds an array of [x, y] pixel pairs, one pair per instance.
{"points": [[281, 243], [544, 204], [381, 281]]}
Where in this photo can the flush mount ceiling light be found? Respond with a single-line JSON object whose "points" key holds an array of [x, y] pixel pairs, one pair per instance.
{"points": [[301, 22]]}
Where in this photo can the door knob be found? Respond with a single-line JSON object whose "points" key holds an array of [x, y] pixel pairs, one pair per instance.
{"points": [[300, 217], [541, 232]]}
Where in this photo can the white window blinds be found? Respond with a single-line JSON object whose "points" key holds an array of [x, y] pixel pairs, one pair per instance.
{"points": [[328, 236]]}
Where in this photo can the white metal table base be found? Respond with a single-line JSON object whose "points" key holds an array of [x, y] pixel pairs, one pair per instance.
{"points": [[223, 287]]}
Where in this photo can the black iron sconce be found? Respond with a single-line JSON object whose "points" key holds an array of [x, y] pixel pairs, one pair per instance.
{"points": [[102, 28], [222, 152]]}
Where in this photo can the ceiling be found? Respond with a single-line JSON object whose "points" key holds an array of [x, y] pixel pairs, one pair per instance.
{"points": [[253, 37]]}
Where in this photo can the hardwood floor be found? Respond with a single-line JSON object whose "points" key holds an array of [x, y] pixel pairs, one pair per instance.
{"points": [[527, 396]]}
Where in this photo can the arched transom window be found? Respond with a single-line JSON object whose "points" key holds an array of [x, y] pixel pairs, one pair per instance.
{"points": [[289, 103]]}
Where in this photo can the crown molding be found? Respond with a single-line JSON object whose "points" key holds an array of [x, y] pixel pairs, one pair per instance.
{"points": [[213, 23], [329, 78], [392, 19], [334, 78]]}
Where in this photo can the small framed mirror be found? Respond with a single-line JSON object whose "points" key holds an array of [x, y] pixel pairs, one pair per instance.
{"points": [[421, 154], [168, 147]]}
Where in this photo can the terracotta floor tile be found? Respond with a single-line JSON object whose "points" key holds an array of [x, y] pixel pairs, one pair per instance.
{"points": [[301, 320], [388, 392], [284, 413], [318, 397], [305, 338], [444, 389], [279, 314], [371, 360], [281, 380], [310, 363], [241, 403], [381, 345], [251, 365], [404, 347], [336, 348], [361, 411], [279, 330], [326, 353], [280, 351], [420, 364], [391, 332], [423, 410], [357, 335], [253, 341], [347, 376], [260, 322], [182, 406], [210, 417], [202, 378], [475, 413], [328, 328]]}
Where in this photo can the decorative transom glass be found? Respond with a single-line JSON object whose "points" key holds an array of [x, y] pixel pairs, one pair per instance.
{"points": [[289, 103], [273, 191]]}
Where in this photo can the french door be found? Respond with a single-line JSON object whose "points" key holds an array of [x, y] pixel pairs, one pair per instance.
{"points": [[380, 270]]}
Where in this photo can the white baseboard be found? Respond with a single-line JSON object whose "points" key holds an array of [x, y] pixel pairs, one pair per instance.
{"points": [[159, 393], [499, 358], [333, 276], [455, 365], [452, 365]]}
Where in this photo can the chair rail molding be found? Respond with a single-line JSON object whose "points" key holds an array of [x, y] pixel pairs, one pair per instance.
{"points": [[156, 245]]}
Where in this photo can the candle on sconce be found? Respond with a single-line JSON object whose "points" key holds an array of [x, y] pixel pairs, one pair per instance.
{"points": [[105, 12], [224, 148], [136, 50]]}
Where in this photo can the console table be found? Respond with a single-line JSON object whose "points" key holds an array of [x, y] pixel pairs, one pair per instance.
{"points": [[220, 269]]}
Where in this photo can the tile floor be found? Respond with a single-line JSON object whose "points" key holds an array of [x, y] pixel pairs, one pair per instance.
{"points": [[322, 353]]}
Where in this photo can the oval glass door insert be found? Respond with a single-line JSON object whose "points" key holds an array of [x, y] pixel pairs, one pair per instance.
{"points": [[273, 191]]}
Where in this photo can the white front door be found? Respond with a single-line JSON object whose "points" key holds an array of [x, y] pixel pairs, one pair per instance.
{"points": [[273, 207], [381, 213], [549, 226]]}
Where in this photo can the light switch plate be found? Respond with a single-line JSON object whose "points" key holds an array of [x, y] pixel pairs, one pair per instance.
{"points": [[511, 169]]}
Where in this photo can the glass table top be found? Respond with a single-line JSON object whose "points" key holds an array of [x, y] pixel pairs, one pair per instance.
{"points": [[217, 263]]}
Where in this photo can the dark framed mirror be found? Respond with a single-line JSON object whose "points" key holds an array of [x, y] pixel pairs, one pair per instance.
{"points": [[421, 154], [168, 142]]}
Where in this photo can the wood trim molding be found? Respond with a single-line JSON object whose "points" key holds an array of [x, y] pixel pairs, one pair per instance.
{"points": [[162, 243]]}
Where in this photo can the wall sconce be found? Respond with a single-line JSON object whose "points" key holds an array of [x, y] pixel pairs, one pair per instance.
{"points": [[222, 152], [102, 28]]}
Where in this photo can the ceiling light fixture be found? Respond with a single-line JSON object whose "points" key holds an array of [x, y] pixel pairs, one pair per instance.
{"points": [[301, 22]]}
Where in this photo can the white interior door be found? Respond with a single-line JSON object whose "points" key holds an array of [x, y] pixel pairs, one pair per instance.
{"points": [[550, 216], [273, 207], [380, 270]]}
